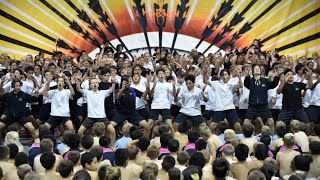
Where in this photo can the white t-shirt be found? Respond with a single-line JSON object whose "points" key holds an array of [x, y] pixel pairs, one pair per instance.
{"points": [[201, 85], [244, 96], [181, 86], [95, 102], [306, 99], [190, 101], [46, 99], [143, 81], [224, 94], [211, 94], [278, 98], [161, 97], [26, 87], [60, 102], [236, 98], [84, 86], [139, 102], [315, 96]]}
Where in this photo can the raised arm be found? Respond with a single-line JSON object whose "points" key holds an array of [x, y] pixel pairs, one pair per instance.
{"points": [[70, 86], [123, 87], [281, 86], [79, 87]]}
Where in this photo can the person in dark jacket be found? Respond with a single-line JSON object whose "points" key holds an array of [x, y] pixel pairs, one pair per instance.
{"points": [[258, 97], [16, 106]]}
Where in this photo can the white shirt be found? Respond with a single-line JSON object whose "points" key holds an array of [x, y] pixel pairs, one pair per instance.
{"points": [[244, 96], [211, 94], [190, 101], [306, 99], [46, 99], [60, 102], [161, 97], [38, 79], [278, 97], [84, 86], [315, 96], [224, 94], [26, 87], [95, 102], [181, 86], [236, 98], [139, 102], [201, 85], [143, 81]]}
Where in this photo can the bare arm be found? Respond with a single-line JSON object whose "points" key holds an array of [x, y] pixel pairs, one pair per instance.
{"points": [[79, 88], [70, 87]]}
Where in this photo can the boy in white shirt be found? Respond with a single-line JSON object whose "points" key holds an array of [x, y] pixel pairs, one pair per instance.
{"points": [[60, 111], [190, 102], [96, 109], [160, 92]]}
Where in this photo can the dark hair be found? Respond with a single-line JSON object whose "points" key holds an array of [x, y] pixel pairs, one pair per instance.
{"points": [[224, 70], [102, 172], [265, 139], [168, 163], [190, 78], [222, 126], [74, 156], [298, 67], [261, 152], [183, 128], [302, 162], [174, 174], [105, 71], [121, 156], [28, 68], [136, 135], [197, 159], [13, 150], [4, 152], [81, 175], [248, 130], [132, 152], [87, 158], [143, 143], [317, 129], [160, 70], [72, 140], [163, 129], [14, 81], [21, 158], [286, 71], [87, 141], [241, 152], [43, 130], [314, 147], [104, 141], [97, 151], [46, 145], [65, 167], [189, 171], [220, 167], [52, 64], [125, 78], [47, 160], [193, 136], [268, 171], [201, 144], [281, 131], [173, 145], [164, 139]]}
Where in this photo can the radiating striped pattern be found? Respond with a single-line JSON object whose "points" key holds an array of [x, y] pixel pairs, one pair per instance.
{"points": [[28, 26]]}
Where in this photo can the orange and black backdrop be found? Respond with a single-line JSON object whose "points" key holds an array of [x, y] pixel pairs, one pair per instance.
{"points": [[28, 26]]}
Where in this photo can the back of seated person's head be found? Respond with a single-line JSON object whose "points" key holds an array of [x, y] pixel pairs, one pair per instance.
{"points": [[164, 139], [303, 126], [46, 145], [193, 136], [228, 150], [197, 159], [191, 173], [183, 128], [86, 161], [12, 137], [151, 166], [99, 129], [206, 155], [174, 174], [155, 131], [265, 139], [65, 168], [132, 152], [13, 150], [296, 177], [112, 173], [205, 131], [295, 126], [247, 130], [314, 147], [47, 160], [163, 129], [288, 140], [173, 145], [43, 130], [256, 174], [22, 170], [73, 140], [222, 126], [87, 141], [153, 152], [281, 131], [241, 152], [81, 175], [126, 129], [4, 153], [104, 141], [229, 135], [121, 156], [265, 130], [97, 151], [132, 129], [317, 129], [147, 174], [21, 158], [32, 176], [74, 156], [168, 163], [183, 157], [261, 152], [220, 167], [136, 135], [301, 163], [268, 170], [235, 142], [143, 143], [64, 135], [201, 144], [269, 161], [53, 139]]}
